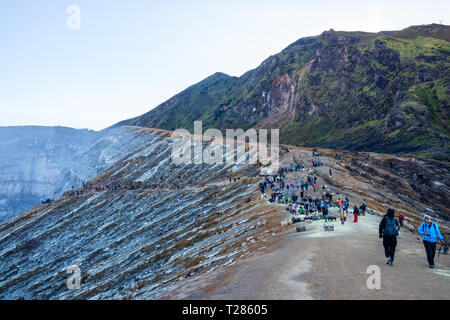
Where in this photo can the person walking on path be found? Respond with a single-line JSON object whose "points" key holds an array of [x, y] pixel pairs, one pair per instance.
{"points": [[388, 230], [401, 218], [363, 207], [343, 216], [355, 214], [346, 205], [325, 211], [430, 232]]}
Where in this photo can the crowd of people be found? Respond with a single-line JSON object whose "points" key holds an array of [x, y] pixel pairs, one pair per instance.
{"points": [[115, 187], [302, 204], [48, 200], [294, 194]]}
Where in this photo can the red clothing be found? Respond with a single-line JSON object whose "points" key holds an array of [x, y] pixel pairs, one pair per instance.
{"points": [[355, 217]]}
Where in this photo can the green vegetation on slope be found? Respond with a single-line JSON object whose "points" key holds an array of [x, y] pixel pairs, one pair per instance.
{"points": [[384, 92]]}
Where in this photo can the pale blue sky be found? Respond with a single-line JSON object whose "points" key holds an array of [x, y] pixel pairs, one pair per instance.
{"points": [[131, 55]]}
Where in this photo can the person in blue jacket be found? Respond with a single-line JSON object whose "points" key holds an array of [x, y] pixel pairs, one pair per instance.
{"points": [[430, 232]]}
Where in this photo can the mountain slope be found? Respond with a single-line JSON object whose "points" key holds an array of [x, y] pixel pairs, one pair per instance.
{"points": [[132, 242], [151, 229], [42, 162], [383, 92]]}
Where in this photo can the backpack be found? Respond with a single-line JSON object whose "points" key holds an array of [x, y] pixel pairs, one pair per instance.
{"points": [[390, 229], [432, 223]]}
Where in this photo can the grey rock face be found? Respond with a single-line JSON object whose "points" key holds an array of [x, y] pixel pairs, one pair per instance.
{"points": [[42, 162], [134, 243]]}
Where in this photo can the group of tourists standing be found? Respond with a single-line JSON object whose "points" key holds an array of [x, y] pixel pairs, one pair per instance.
{"points": [[388, 227]]}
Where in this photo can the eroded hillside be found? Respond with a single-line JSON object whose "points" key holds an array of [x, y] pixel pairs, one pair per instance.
{"points": [[382, 92], [146, 228], [38, 163]]}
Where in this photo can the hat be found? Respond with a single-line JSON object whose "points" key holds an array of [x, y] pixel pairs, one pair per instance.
{"points": [[426, 217]]}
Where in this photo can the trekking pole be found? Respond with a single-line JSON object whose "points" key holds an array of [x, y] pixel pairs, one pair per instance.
{"points": [[440, 248]]}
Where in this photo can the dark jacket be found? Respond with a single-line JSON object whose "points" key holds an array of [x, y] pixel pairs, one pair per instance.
{"points": [[383, 224]]}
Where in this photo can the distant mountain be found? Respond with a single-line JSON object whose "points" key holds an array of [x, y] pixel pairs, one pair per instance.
{"points": [[37, 163], [383, 92]]}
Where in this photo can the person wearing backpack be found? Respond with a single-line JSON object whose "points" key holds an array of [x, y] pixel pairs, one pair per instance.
{"points": [[430, 232], [363, 207], [325, 211], [388, 230]]}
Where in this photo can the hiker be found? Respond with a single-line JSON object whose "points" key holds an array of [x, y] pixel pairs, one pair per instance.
{"points": [[261, 188], [325, 211], [355, 214], [319, 206], [331, 172], [388, 230], [343, 217], [430, 232], [400, 220], [293, 209], [363, 207], [346, 205]]}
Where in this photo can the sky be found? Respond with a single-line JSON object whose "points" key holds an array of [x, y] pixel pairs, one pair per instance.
{"points": [[129, 56]]}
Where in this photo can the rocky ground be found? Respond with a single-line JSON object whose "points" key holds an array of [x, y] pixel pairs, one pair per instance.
{"points": [[319, 264], [39, 163], [210, 238]]}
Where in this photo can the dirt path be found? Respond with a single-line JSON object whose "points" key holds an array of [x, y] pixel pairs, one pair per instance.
{"points": [[332, 265]]}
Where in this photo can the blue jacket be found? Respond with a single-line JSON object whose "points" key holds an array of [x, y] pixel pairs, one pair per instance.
{"points": [[430, 229]]}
